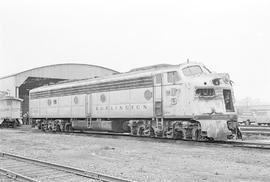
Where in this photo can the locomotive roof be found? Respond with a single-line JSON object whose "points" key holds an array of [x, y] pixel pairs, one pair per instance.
{"points": [[134, 73]]}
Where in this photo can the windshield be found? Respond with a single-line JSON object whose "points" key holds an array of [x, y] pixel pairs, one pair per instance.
{"points": [[192, 70], [195, 70]]}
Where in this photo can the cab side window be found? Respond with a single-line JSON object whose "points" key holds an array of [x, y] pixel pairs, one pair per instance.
{"points": [[172, 77]]}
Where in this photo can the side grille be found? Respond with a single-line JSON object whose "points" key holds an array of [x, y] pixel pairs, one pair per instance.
{"points": [[141, 82]]}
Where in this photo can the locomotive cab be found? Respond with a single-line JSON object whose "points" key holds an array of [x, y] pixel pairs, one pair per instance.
{"points": [[212, 101]]}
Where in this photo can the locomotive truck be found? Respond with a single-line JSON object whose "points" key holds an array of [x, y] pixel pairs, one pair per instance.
{"points": [[184, 101]]}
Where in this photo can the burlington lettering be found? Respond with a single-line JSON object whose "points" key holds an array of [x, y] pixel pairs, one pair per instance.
{"points": [[122, 107]]}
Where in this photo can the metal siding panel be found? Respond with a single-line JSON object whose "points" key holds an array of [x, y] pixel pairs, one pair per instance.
{"points": [[120, 97], [34, 108], [43, 108], [65, 107], [140, 106], [52, 110], [120, 104], [126, 104], [78, 109], [99, 107]]}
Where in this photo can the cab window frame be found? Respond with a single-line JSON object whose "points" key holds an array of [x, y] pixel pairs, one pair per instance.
{"points": [[172, 77]]}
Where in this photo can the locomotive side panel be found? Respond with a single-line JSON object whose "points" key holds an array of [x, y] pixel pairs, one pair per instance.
{"points": [[100, 105], [34, 109], [120, 104], [52, 107], [141, 102], [58, 107], [65, 107], [43, 104], [173, 101], [133, 103], [78, 106]]}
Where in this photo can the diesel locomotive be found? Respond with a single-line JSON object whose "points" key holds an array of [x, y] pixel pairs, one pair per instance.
{"points": [[185, 101]]}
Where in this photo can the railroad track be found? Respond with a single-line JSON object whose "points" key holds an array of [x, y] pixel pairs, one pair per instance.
{"points": [[5, 178], [262, 130], [18, 168], [242, 144], [229, 143]]}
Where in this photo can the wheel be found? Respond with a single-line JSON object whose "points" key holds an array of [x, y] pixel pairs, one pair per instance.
{"points": [[42, 127], [148, 131], [140, 131], [178, 134], [50, 128], [239, 134], [58, 129], [69, 128], [196, 135]]}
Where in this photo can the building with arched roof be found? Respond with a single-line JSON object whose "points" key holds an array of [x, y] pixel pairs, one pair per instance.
{"points": [[19, 84]]}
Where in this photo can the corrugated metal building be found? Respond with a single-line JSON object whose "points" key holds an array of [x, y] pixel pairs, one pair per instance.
{"points": [[18, 85]]}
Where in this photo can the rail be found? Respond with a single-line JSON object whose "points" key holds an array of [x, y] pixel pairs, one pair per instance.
{"points": [[263, 130], [232, 143], [36, 170]]}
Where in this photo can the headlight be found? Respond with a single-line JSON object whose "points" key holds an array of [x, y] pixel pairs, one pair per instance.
{"points": [[216, 81]]}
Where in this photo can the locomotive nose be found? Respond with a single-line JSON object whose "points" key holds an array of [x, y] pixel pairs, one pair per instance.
{"points": [[213, 79]]}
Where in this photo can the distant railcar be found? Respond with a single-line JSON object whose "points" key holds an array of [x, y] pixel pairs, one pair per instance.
{"points": [[10, 111], [183, 101], [254, 114]]}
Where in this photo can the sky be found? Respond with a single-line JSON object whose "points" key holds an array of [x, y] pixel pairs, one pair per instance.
{"points": [[230, 36]]}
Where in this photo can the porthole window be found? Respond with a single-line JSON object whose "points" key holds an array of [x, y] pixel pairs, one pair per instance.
{"points": [[147, 94], [102, 98], [76, 100], [49, 102], [54, 102]]}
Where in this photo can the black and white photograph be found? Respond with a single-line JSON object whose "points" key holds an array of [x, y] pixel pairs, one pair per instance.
{"points": [[134, 91]]}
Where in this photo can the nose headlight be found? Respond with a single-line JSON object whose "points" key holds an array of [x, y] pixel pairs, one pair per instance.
{"points": [[216, 81]]}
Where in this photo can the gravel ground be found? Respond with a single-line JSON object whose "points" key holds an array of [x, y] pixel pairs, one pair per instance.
{"points": [[141, 160]]}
